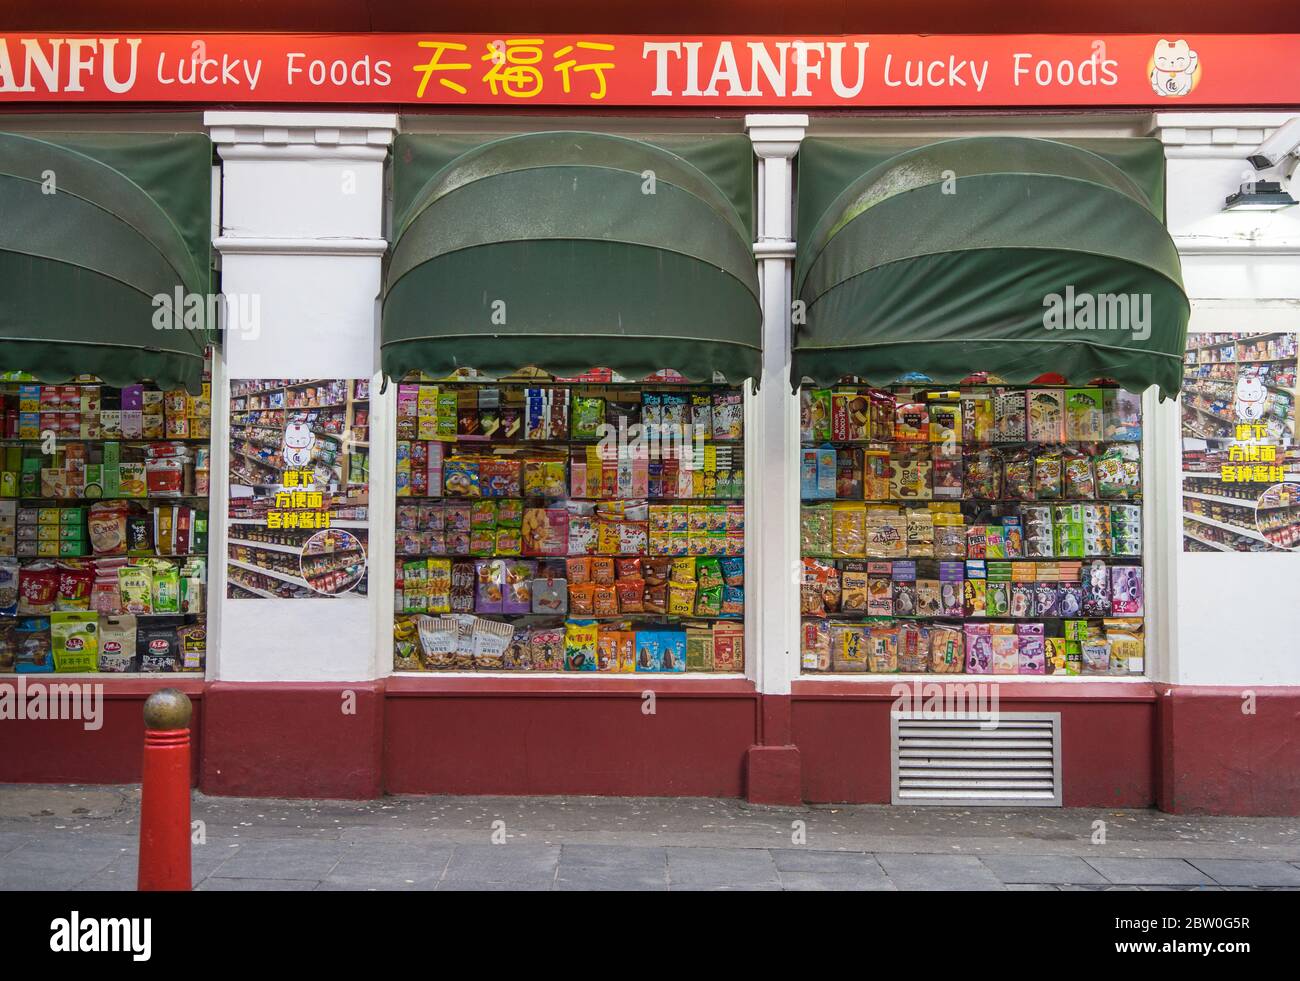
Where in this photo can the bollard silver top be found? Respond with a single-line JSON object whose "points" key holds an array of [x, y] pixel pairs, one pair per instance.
{"points": [[167, 708]]}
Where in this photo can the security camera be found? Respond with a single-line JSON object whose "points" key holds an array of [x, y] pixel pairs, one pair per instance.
{"points": [[1284, 142]]}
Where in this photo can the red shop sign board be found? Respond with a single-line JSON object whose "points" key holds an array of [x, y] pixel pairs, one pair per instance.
{"points": [[662, 70]]}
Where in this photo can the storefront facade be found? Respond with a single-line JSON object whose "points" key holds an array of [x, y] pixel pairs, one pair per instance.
{"points": [[358, 233]]}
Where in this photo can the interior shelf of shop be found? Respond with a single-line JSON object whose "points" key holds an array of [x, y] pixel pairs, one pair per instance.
{"points": [[1217, 546], [1242, 532], [282, 576], [1217, 500], [254, 589], [270, 546]]}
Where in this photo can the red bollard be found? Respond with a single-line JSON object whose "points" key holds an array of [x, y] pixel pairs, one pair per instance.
{"points": [[165, 793]]}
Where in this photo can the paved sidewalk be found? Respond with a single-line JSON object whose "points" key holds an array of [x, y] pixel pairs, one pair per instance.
{"points": [[85, 838]]}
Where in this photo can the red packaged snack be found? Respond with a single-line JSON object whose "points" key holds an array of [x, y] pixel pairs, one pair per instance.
{"points": [[629, 568], [631, 595], [75, 582], [38, 586]]}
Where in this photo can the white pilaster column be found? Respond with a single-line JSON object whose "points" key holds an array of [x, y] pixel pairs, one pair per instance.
{"points": [[772, 437], [302, 231], [1233, 615]]}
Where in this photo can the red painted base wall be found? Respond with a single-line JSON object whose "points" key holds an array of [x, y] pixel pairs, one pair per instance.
{"points": [[1229, 750], [487, 736], [293, 740], [64, 751], [1186, 749]]}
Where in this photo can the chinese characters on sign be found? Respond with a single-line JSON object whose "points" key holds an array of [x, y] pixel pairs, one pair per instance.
{"points": [[518, 67], [297, 506]]}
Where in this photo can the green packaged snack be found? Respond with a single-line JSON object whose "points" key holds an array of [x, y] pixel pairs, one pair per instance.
{"points": [[447, 415], [586, 418], [819, 414], [75, 641], [167, 590], [708, 573], [708, 601]]}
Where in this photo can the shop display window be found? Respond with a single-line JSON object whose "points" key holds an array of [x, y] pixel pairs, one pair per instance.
{"points": [[982, 529], [299, 488], [103, 527], [583, 524], [1241, 463]]}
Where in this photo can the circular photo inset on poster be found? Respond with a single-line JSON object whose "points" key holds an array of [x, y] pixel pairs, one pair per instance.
{"points": [[1277, 515], [333, 561]]}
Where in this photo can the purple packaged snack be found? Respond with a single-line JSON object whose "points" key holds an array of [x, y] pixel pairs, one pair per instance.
{"points": [[1022, 600], [1096, 590], [1033, 648], [490, 585], [1045, 597], [979, 648], [1069, 599], [518, 595]]}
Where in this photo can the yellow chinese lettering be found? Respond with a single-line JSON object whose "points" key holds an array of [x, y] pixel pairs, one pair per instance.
{"points": [[514, 67], [598, 68], [436, 64]]}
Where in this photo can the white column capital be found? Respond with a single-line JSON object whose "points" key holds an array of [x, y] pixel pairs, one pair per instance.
{"points": [[301, 135], [776, 134], [1228, 135]]}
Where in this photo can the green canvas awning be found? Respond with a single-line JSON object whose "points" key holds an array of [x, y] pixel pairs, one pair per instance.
{"points": [[94, 228], [1001, 254], [567, 251]]}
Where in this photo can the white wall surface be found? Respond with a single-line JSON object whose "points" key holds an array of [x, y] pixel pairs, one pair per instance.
{"points": [[302, 212]]}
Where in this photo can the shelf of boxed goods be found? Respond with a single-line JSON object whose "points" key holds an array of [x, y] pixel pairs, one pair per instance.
{"points": [[1224, 526], [1236, 502], [1216, 546], [274, 574], [269, 546], [253, 589]]}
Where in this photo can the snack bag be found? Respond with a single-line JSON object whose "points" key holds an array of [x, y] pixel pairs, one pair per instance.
{"points": [[1047, 476], [815, 645], [1126, 590], [1046, 415], [117, 643], [984, 475], [491, 639], [913, 649], [75, 641], [848, 531], [947, 650], [882, 648], [979, 648], [438, 639], [1005, 648], [849, 644], [38, 588], [546, 648], [135, 584]]}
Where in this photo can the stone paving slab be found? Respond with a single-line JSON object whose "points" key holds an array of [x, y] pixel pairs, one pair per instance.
{"points": [[64, 838], [1150, 872]]}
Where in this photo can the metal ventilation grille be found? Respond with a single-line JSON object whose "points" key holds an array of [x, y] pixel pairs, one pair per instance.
{"points": [[955, 761]]}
